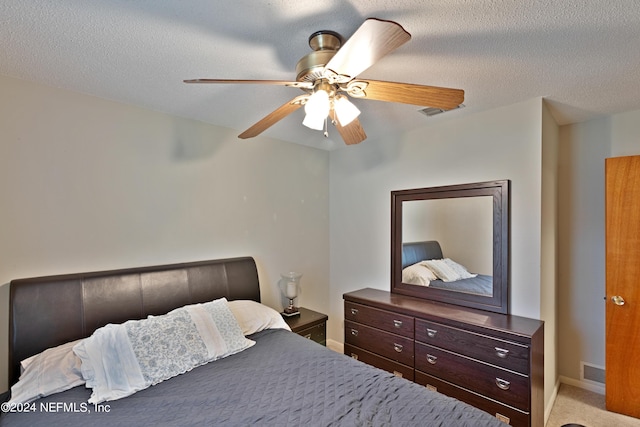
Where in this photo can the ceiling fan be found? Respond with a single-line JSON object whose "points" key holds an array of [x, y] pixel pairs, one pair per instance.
{"points": [[330, 72]]}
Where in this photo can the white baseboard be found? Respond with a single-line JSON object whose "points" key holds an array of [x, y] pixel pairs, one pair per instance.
{"points": [[585, 384], [552, 401], [336, 346]]}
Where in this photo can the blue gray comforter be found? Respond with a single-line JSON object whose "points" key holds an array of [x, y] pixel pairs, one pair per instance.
{"points": [[284, 380], [479, 285]]}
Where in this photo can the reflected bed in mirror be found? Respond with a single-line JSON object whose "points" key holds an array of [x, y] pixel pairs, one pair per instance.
{"points": [[423, 264], [450, 244]]}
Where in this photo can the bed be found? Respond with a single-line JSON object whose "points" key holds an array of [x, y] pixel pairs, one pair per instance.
{"points": [[281, 379], [415, 253]]}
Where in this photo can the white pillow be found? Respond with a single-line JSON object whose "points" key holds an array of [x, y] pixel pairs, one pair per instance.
{"points": [[254, 317], [447, 270], [417, 274], [118, 360], [459, 269], [54, 370]]}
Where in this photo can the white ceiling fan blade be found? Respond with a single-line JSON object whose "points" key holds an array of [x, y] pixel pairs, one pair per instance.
{"points": [[374, 39]]}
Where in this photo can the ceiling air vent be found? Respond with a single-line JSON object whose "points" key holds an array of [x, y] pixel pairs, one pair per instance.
{"points": [[432, 111]]}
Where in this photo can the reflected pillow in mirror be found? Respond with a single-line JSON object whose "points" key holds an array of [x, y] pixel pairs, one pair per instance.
{"points": [[417, 274], [448, 270], [459, 269]]}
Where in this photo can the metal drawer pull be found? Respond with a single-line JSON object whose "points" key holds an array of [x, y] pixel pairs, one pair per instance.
{"points": [[503, 384], [397, 323], [397, 347], [503, 418], [354, 332], [397, 374], [431, 333], [502, 352], [431, 359], [355, 356], [354, 311], [308, 336]]}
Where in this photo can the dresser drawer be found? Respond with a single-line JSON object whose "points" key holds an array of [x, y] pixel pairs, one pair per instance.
{"points": [[317, 333], [496, 383], [386, 320], [498, 352], [391, 346], [504, 413], [372, 359]]}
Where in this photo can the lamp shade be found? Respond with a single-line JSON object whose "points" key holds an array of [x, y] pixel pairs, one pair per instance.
{"points": [[345, 110], [316, 110]]}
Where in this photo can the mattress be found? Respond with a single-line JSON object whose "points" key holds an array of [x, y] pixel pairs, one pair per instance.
{"points": [[284, 379]]}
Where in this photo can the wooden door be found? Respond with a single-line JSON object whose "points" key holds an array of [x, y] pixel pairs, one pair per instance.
{"points": [[622, 200]]}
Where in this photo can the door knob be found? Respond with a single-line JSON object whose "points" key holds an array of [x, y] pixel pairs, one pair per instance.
{"points": [[617, 300]]}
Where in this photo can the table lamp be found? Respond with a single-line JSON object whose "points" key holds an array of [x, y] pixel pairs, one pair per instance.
{"points": [[291, 281]]}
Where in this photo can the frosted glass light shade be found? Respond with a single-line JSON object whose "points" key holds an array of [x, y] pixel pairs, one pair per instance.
{"points": [[345, 110], [316, 110], [314, 122]]}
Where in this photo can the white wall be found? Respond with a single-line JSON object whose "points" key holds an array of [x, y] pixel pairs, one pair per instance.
{"points": [[88, 184], [463, 227], [581, 264], [549, 251]]}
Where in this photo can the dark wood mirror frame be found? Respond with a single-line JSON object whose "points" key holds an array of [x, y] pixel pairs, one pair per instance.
{"points": [[499, 191]]}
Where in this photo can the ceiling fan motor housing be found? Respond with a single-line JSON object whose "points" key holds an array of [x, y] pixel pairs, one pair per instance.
{"points": [[325, 44]]}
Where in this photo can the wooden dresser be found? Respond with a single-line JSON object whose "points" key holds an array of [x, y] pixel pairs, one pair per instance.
{"points": [[492, 361]]}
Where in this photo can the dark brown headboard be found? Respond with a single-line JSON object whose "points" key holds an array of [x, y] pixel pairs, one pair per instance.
{"points": [[420, 251], [49, 311]]}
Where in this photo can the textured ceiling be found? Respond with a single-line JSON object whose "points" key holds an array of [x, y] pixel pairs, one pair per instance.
{"points": [[582, 56]]}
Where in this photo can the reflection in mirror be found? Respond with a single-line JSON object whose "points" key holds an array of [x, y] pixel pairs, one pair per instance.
{"points": [[450, 244], [462, 228]]}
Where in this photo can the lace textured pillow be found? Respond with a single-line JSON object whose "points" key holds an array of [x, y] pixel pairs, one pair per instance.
{"points": [[448, 270], [118, 360], [166, 346], [459, 269], [442, 270]]}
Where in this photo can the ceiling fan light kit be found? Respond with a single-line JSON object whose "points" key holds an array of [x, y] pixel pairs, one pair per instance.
{"points": [[330, 72], [322, 101], [346, 112], [316, 110]]}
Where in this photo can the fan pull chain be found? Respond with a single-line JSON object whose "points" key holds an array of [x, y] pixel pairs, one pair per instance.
{"points": [[326, 127]]}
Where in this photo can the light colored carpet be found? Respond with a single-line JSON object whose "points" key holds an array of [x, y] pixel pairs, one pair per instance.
{"points": [[576, 405]]}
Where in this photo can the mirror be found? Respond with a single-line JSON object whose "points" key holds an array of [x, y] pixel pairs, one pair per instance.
{"points": [[450, 244]]}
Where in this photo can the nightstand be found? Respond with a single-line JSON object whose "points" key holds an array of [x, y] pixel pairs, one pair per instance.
{"points": [[310, 324]]}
